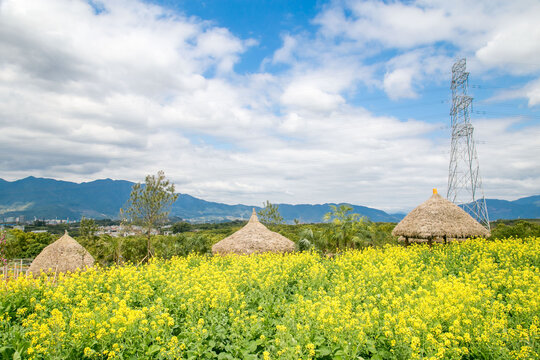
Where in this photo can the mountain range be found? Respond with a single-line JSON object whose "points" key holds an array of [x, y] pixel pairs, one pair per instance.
{"points": [[43, 198]]}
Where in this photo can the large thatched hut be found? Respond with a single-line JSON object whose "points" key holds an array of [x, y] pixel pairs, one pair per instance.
{"points": [[65, 254], [253, 238], [438, 219]]}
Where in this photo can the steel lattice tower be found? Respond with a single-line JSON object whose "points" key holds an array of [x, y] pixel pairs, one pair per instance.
{"points": [[464, 182]]}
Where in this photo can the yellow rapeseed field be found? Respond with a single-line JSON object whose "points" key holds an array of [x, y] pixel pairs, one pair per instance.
{"points": [[474, 300]]}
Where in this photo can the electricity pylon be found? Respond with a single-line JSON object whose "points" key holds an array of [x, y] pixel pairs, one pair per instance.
{"points": [[464, 181]]}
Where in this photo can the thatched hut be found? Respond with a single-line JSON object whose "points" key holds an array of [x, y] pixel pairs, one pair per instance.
{"points": [[438, 219], [253, 238], [65, 254]]}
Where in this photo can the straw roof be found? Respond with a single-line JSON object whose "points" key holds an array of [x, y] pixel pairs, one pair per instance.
{"points": [[65, 254], [438, 218], [253, 238]]}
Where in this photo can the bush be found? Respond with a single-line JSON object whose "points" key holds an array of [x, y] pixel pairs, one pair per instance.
{"points": [[520, 229], [25, 245]]}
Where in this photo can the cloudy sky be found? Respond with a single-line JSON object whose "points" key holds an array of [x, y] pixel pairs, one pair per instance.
{"points": [[244, 101]]}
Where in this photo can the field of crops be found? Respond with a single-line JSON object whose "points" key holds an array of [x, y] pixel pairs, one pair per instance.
{"points": [[475, 300]]}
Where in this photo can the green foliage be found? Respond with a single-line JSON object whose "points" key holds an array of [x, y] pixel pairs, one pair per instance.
{"points": [[2, 247], [345, 227], [25, 245], [109, 250], [88, 228], [181, 227], [219, 225], [519, 229], [270, 214], [148, 204], [304, 245], [182, 245], [348, 230]]}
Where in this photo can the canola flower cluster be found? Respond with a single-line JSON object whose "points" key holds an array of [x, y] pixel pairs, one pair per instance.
{"points": [[471, 300]]}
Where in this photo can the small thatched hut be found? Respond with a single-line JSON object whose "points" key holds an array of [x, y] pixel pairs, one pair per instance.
{"points": [[438, 219], [65, 254], [253, 238]]}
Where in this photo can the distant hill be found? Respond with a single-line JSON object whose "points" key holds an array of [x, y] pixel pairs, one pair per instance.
{"points": [[524, 208], [193, 209], [49, 199]]}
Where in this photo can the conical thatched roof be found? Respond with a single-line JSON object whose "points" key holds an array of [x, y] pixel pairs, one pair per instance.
{"points": [[65, 254], [253, 238], [438, 218]]}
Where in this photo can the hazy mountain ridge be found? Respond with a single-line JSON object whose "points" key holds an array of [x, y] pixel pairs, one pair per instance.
{"points": [[49, 198]]}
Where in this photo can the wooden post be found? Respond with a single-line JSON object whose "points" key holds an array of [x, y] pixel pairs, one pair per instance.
{"points": [[55, 272]]}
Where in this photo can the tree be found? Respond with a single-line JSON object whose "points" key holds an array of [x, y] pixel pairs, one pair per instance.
{"points": [[88, 228], [113, 246], [270, 214], [344, 228], [149, 204], [352, 230], [520, 229], [181, 227]]}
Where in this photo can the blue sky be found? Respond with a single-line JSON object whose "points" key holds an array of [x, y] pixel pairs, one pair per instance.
{"points": [[286, 101], [264, 21]]}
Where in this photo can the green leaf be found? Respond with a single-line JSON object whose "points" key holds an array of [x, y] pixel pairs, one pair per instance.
{"points": [[371, 346], [16, 355], [246, 355], [324, 351], [225, 356], [318, 340], [152, 350], [252, 347]]}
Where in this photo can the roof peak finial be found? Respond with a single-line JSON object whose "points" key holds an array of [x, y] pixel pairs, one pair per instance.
{"points": [[253, 216]]}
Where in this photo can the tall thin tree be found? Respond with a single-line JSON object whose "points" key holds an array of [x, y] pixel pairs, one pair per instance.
{"points": [[149, 205]]}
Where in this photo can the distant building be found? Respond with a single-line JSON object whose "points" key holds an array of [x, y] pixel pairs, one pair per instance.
{"points": [[56, 221], [120, 230]]}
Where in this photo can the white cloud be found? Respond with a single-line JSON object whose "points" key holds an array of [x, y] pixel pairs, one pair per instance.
{"points": [[285, 53], [530, 91], [508, 155], [533, 93], [137, 88], [398, 84], [310, 97], [515, 46], [491, 34]]}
